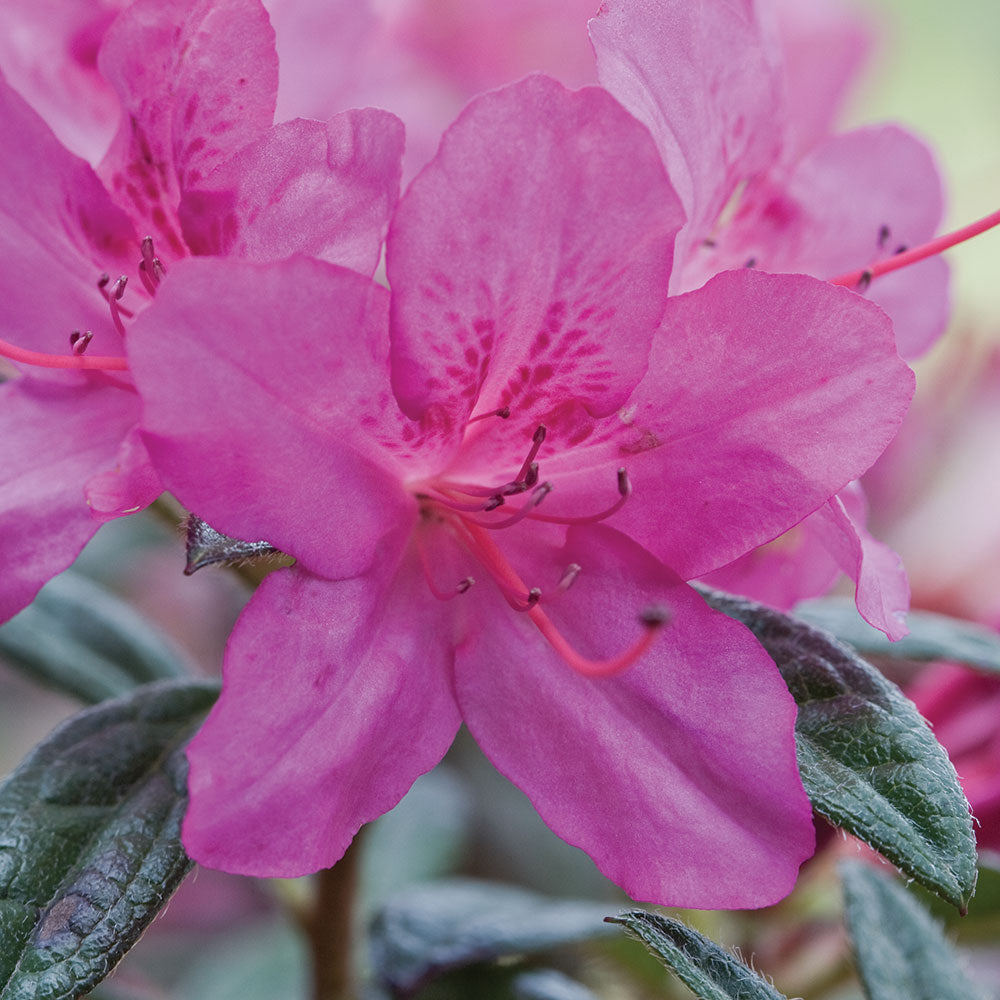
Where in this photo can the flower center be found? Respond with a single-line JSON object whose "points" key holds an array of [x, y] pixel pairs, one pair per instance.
{"points": [[151, 271], [472, 514]]}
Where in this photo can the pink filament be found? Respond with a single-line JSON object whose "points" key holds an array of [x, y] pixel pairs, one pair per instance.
{"points": [[77, 361], [908, 257]]}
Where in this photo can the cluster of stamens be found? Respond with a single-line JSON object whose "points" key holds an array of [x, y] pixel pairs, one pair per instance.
{"points": [[466, 510], [151, 272]]}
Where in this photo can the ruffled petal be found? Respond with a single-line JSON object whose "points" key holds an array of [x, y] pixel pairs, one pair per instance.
{"points": [[679, 775], [267, 408], [53, 437], [765, 395], [529, 260], [197, 80], [326, 190], [336, 696], [706, 79], [883, 591]]}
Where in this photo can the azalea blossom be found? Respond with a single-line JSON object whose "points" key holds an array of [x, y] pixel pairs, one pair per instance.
{"points": [[741, 97], [196, 167], [494, 480]]}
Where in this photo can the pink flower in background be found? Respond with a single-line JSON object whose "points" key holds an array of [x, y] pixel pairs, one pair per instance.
{"points": [[485, 477], [740, 97], [197, 167]]}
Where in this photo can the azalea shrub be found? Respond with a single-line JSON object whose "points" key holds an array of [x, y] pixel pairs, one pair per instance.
{"points": [[524, 373]]}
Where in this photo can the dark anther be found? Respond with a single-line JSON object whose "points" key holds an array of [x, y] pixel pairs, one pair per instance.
{"points": [[118, 289], [534, 596], [708, 242], [902, 248], [464, 585], [103, 280], [864, 281], [531, 476], [751, 262], [504, 412], [539, 436], [883, 235], [494, 501], [79, 342], [624, 484], [655, 616]]}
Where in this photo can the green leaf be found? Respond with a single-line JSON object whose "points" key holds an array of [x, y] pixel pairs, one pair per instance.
{"points": [[80, 639], [869, 762], [90, 839], [709, 971], [932, 636], [549, 984], [430, 929], [900, 950]]}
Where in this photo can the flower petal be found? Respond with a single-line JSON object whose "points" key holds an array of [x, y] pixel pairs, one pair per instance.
{"points": [[58, 231], [266, 399], [197, 80], [678, 776], [765, 395], [131, 485], [853, 200], [326, 190], [53, 436], [705, 78], [529, 260], [336, 696]]}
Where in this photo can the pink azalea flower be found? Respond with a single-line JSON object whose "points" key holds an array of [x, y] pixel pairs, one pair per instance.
{"points": [[740, 98], [197, 168], [485, 477]]}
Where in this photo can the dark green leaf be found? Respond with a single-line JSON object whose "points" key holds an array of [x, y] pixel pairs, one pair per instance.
{"points": [[709, 971], [932, 636], [869, 762], [81, 639], [900, 949], [89, 839], [432, 928]]}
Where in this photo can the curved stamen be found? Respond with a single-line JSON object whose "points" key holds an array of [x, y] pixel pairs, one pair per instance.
{"points": [[114, 297], [102, 286], [536, 442], [87, 362], [442, 595], [861, 279], [79, 342], [537, 496], [624, 490], [443, 498], [503, 413]]}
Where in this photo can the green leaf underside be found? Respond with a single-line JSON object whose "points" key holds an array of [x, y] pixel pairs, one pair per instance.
{"points": [[932, 636], [900, 950], [431, 929], [709, 971], [82, 640], [869, 762], [549, 984], [90, 839]]}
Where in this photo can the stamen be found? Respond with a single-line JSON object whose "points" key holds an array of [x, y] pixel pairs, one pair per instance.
{"points": [[442, 595], [102, 287], [117, 291], [536, 442], [883, 236], [537, 496], [907, 257], [651, 619], [87, 362], [503, 413], [624, 492], [569, 576], [864, 281], [750, 263], [78, 342]]}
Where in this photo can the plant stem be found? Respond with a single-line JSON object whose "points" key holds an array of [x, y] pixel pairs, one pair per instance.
{"points": [[330, 928]]}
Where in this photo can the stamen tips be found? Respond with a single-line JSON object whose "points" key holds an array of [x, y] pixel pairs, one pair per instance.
{"points": [[655, 616], [79, 342], [531, 476], [624, 483], [539, 436], [494, 501], [534, 596], [569, 576], [464, 585], [864, 281], [503, 413]]}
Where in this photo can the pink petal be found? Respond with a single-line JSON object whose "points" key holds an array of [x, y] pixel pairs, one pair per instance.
{"points": [[265, 392], [883, 592], [825, 43], [336, 696], [678, 776], [58, 231], [706, 79], [827, 217], [326, 190], [197, 80], [529, 260], [765, 395], [53, 436], [131, 485], [48, 50]]}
